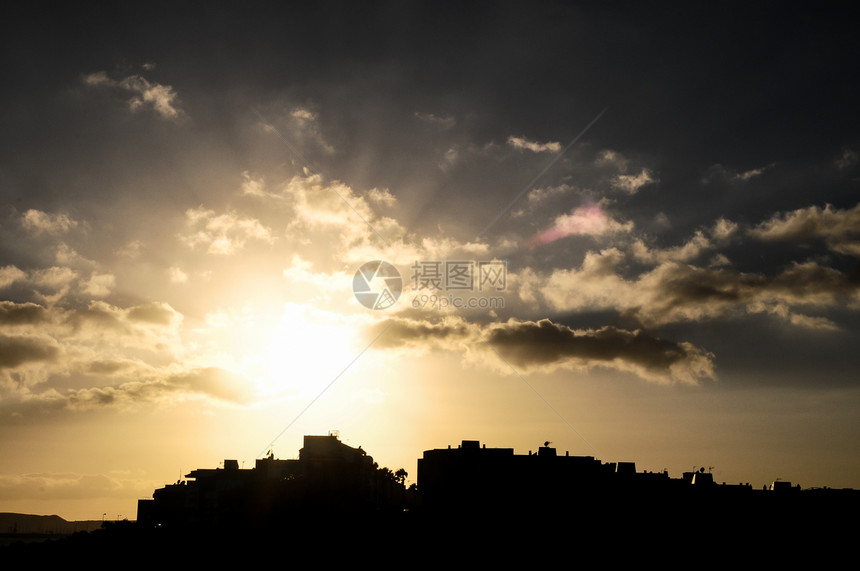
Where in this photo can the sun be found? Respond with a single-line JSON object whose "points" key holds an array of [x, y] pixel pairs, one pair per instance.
{"points": [[306, 350]]}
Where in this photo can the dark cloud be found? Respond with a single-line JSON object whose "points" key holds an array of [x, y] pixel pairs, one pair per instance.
{"points": [[21, 313], [210, 382], [538, 344], [530, 345], [105, 367], [682, 292], [421, 333], [154, 313], [100, 316], [17, 350]]}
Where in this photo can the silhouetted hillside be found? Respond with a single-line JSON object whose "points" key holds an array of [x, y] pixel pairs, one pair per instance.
{"points": [[14, 523]]}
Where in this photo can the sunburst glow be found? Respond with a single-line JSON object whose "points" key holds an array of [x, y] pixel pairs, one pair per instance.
{"points": [[305, 351]]}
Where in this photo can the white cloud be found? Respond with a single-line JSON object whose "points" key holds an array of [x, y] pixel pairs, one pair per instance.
{"points": [[300, 272], [99, 285], [67, 256], [733, 175], [752, 173], [723, 229], [177, 276], [10, 275], [45, 223], [686, 252], [838, 228], [629, 177], [223, 234], [381, 196], [252, 186], [541, 194], [53, 277], [590, 220], [632, 183], [145, 94], [535, 147], [302, 114]]}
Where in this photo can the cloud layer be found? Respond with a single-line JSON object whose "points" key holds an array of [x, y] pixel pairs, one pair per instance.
{"points": [[527, 346]]}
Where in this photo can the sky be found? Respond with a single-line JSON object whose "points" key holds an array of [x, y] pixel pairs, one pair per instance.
{"points": [[632, 231]]}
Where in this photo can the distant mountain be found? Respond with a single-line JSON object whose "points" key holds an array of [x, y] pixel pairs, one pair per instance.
{"points": [[12, 523]]}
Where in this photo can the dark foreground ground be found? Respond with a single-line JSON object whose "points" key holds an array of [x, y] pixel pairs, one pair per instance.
{"points": [[697, 537]]}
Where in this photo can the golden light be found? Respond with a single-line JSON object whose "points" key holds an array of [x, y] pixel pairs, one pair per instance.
{"points": [[306, 351]]}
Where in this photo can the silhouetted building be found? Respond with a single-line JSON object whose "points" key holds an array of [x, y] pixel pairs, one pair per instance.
{"points": [[327, 477], [474, 477], [471, 485], [475, 480]]}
